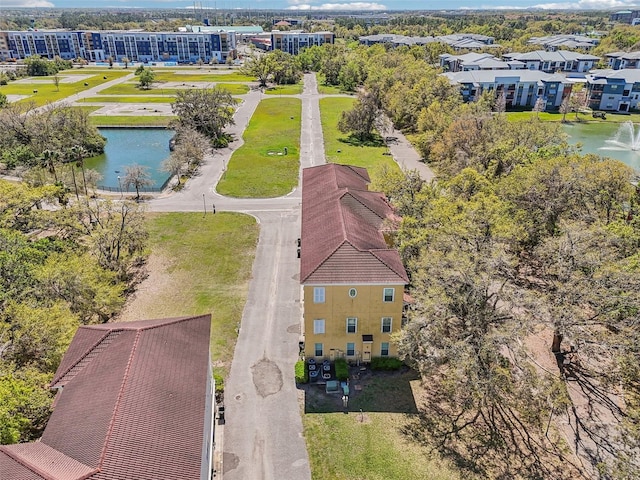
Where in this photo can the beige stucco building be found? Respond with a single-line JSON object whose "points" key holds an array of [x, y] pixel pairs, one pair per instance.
{"points": [[352, 282]]}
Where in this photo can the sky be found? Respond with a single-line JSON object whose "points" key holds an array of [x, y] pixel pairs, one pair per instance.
{"points": [[324, 5]]}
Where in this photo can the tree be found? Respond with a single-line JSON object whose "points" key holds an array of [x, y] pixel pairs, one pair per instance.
{"points": [[39, 67], [3, 100], [49, 159], [126, 62], [56, 82], [259, 66], [174, 164], [110, 61], [363, 118], [138, 177], [146, 78], [207, 111], [79, 154]]}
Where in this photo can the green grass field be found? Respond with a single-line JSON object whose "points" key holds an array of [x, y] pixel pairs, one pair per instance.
{"points": [[48, 92], [285, 90], [369, 445], [208, 268], [206, 76], [131, 89], [256, 170], [120, 99], [130, 120], [336, 147], [571, 117]]}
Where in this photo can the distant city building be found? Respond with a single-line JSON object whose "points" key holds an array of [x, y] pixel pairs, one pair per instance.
{"points": [[567, 42], [613, 90], [521, 88], [137, 46], [622, 60], [294, 41], [457, 41], [631, 17]]}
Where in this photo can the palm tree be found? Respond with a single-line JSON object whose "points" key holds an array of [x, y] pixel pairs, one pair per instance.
{"points": [[49, 158], [80, 153]]}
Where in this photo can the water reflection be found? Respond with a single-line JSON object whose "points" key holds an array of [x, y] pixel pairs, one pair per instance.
{"points": [[127, 146]]}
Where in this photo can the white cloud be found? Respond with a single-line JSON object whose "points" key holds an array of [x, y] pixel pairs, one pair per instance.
{"points": [[579, 5], [337, 6], [28, 3], [586, 5]]}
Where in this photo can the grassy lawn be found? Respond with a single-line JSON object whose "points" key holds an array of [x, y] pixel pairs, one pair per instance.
{"points": [[336, 148], [252, 171], [126, 120], [371, 444], [47, 91], [208, 267], [205, 76], [138, 99], [328, 89], [571, 117], [285, 90], [131, 89]]}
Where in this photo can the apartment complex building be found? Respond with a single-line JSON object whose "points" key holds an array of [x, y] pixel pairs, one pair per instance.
{"points": [[98, 46], [294, 41]]}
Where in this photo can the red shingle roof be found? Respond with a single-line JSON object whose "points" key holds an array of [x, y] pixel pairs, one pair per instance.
{"points": [[132, 407], [341, 240]]}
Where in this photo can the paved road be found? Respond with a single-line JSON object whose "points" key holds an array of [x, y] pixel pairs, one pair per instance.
{"points": [[263, 431]]}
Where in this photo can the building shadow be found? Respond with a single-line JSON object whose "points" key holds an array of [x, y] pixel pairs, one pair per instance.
{"points": [[369, 391]]}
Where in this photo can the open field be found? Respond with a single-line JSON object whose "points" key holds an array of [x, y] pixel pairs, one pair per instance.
{"points": [[200, 265], [48, 92], [259, 168], [337, 145], [226, 76], [130, 89], [369, 442], [120, 99], [284, 90], [130, 120], [571, 117]]}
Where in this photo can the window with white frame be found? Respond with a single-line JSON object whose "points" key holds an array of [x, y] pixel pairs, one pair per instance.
{"points": [[318, 326], [384, 349], [318, 294], [318, 350], [388, 294], [351, 349], [386, 324], [352, 325]]}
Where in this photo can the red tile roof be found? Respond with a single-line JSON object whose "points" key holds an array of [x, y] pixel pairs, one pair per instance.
{"points": [[342, 222], [132, 406]]}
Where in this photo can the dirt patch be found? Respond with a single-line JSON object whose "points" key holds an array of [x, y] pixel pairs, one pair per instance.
{"points": [[158, 282]]}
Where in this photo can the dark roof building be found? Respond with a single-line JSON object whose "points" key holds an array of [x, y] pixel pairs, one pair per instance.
{"points": [[342, 237], [135, 401]]}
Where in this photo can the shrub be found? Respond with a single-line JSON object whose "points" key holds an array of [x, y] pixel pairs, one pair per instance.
{"points": [[302, 374], [385, 363], [342, 370]]}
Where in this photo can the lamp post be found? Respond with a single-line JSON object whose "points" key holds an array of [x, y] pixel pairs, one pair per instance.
{"points": [[204, 204], [120, 186]]}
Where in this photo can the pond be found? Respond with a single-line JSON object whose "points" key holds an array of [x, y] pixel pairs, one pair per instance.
{"points": [[620, 141], [128, 146]]}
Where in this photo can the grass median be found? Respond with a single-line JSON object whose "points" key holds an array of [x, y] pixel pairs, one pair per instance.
{"points": [[261, 168], [130, 120], [339, 148], [285, 90], [42, 90], [201, 264]]}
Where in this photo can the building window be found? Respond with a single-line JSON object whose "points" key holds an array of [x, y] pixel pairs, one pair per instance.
{"points": [[351, 349], [386, 324], [318, 326], [384, 349], [318, 350], [352, 325], [388, 294], [353, 292], [318, 294]]}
